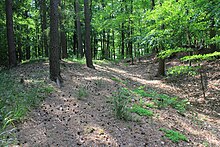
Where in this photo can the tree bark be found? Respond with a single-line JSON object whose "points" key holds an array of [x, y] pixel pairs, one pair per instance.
{"points": [[10, 34], [213, 46], [63, 40], [87, 34], [43, 13], [78, 28], [122, 42], [54, 42]]}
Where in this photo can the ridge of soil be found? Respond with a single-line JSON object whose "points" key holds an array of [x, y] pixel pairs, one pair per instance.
{"points": [[64, 119]]}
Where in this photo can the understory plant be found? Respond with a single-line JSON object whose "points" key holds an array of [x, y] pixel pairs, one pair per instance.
{"points": [[16, 102], [141, 111], [174, 135], [120, 102], [162, 100]]}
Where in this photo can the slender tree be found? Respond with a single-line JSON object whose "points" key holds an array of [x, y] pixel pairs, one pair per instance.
{"points": [[10, 34], [43, 14], [87, 13], [54, 42], [78, 28]]}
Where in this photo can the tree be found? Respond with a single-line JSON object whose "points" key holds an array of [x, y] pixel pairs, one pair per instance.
{"points": [[87, 34], [10, 34], [78, 28], [43, 14], [54, 42]]}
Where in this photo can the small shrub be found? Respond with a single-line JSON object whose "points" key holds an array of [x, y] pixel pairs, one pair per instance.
{"points": [[120, 104], [141, 111], [164, 101], [82, 93], [174, 135]]}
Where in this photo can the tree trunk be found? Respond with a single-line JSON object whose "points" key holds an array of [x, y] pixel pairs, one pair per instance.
{"points": [[64, 45], [161, 68], [43, 13], [28, 50], [103, 45], [74, 43], [87, 34], [113, 44], [63, 40], [54, 42], [78, 28], [122, 42], [107, 51], [213, 46], [10, 34]]}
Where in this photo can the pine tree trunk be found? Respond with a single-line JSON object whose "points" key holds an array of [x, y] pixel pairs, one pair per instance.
{"points": [[87, 35], [43, 13], [78, 28], [122, 42], [54, 42], [10, 34]]}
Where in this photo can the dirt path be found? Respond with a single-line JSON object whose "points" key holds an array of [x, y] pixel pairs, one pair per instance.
{"points": [[65, 119]]}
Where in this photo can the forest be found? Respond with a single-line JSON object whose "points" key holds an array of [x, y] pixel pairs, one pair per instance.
{"points": [[131, 73]]}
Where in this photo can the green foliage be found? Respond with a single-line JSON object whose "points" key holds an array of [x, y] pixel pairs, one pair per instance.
{"points": [[120, 102], [77, 60], [118, 80], [35, 60], [183, 70], [82, 93], [199, 57], [167, 53], [174, 135], [18, 99], [163, 100], [141, 111], [141, 92]]}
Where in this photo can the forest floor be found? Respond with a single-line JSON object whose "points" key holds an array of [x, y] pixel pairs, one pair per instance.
{"points": [[80, 112]]}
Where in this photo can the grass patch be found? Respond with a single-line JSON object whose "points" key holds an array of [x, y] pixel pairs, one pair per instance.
{"points": [[16, 100], [174, 135], [82, 93], [118, 80], [35, 60], [77, 60], [141, 111], [102, 62], [120, 102]]}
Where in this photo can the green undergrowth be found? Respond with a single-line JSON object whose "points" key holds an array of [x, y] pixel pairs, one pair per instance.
{"points": [[17, 98], [141, 111], [162, 100], [167, 53], [120, 101], [82, 93], [211, 56], [148, 99], [118, 80], [77, 60], [35, 60], [177, 71], [174, 135], [83, 61]]}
